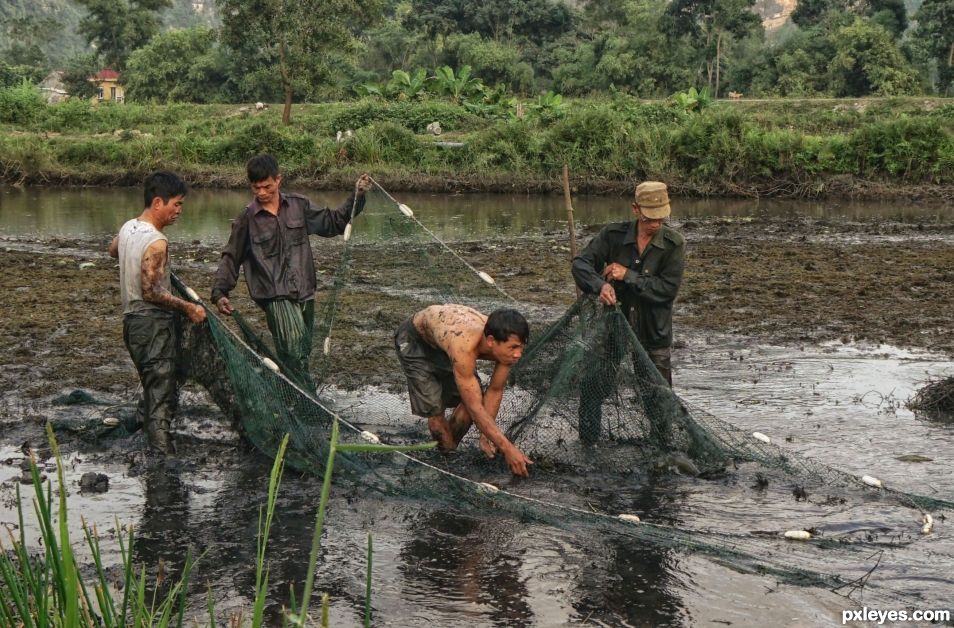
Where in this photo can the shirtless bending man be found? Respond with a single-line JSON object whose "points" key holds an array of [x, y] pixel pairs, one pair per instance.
{"points": [[438, 348]]}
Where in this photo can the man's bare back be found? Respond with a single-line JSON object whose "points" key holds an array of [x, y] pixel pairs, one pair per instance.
{"points": [[454, 329]]}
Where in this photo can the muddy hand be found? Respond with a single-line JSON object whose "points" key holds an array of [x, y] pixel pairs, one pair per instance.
{"points": [[518, 462], [486, 446], [615, 272], [607, 295], [197, 314], [225, 306], [362, 185]]}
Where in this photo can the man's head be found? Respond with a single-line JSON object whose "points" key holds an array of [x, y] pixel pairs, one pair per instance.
{"points": [[264, 177], [507, 333], [163, 194], [652, 206]]}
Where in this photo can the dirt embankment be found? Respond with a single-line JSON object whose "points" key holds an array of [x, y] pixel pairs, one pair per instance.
{"points": [[803, 282]]}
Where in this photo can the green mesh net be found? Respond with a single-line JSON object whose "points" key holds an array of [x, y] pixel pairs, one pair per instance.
{"points": [[585, 403]]}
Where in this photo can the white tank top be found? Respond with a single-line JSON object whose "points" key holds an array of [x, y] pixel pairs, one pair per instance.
{"points": [[134, 238]]}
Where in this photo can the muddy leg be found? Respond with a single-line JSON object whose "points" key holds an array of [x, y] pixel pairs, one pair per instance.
{"points": [[442, 433], [460, 423]]}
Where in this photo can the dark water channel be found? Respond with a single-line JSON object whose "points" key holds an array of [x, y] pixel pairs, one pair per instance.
{"points": [[101, 211], [436, 566]]}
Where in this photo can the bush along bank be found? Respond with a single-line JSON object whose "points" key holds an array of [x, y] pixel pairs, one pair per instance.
{"points": [[808, 148]]}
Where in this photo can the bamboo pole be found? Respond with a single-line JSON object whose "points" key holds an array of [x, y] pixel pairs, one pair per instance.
{"points": [[569, 215]]}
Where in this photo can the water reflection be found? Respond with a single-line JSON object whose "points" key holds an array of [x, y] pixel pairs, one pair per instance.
{"points": [[101, 211], [624, 580], [471, 562]]}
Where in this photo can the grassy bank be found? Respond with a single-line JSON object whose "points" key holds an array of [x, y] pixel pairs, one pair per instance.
{"points": [[877, 147]]}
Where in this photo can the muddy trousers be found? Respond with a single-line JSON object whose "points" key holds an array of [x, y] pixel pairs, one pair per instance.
{"points": [[292, 326], [151, 338], [654, 384]]}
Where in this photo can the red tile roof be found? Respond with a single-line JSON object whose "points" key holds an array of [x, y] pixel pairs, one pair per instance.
{"points": [[107, 73]]}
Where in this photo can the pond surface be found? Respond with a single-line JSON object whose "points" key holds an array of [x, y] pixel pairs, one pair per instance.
{"points": [[439, 566], [102, 211], [435, 565]]}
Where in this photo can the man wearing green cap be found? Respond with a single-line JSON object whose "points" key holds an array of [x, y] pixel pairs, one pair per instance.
{"points": [[637, 264]]}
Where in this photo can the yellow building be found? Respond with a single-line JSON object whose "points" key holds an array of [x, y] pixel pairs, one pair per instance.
{"points": [[107, 80]]}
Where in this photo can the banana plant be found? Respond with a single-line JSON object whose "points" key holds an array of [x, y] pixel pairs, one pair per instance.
{"points": [[459, 85], [407, 86]]}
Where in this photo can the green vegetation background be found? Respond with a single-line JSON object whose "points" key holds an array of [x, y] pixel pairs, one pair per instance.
{"points": [[781, 148]]}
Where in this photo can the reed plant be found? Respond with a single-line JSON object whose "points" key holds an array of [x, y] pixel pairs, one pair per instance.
{"points": [[46, 589]]}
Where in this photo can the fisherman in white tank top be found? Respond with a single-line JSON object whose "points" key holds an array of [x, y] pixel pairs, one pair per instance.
{"points": [[149, 307]]}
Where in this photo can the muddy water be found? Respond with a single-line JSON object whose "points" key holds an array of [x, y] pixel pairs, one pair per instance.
{"points": [[436, 566], [839, 403], [101, 211]]}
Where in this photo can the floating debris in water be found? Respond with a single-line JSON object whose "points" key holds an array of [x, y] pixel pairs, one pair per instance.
{"points": [[872, 481], [914, 458], [762, 437], [629, 518], [798, 535]]}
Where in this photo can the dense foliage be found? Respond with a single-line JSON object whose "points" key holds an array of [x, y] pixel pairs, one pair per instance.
{"points": [[247, 50], [695, 144]]}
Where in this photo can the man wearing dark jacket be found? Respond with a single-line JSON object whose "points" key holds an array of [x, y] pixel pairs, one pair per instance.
{"points": [[269, 241], [638, 264]]}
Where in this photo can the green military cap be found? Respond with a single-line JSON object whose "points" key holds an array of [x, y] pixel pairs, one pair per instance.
{"points": [[653, 199]]}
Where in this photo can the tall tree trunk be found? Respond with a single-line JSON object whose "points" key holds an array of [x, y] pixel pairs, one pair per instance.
{"points": [[286, 85], [950, 70], [708, 61], [718, 62]]}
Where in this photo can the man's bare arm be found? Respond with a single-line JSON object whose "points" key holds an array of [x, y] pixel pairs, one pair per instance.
{"points": [[494, 394], [114, 247], [153, 268], [470, 396]]}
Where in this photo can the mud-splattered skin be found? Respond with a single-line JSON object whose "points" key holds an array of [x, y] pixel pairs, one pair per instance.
{"points": [[458, 331], [154, 262]]}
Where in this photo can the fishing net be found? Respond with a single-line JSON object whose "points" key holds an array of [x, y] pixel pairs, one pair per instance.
{"points": [[585, 402]]}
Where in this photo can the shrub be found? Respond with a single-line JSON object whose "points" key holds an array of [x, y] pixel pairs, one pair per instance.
{"points": [[22, 104], [410, 115]]}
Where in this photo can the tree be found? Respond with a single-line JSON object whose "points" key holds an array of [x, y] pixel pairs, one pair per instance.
{"points": [[117, 27], [935, 33], [868, 61], [711, 25], [77, 74], [300, 41], [500, 20], [179, 66]]}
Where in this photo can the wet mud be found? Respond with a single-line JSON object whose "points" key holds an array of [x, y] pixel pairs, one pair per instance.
{"points": [[792, 283], [779, 281]]}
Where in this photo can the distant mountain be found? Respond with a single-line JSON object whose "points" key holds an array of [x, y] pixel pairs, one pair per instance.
{"points": [[68, 42]]}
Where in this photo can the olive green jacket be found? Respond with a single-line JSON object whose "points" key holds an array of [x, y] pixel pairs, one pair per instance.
{"points": [[648, 290]]}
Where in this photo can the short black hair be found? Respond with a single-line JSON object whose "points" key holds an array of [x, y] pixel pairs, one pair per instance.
{"points": [[501, 324], [162, 184], [261, 167]]}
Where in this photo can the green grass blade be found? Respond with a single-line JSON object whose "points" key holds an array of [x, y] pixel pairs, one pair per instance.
{"points": [[125, 550], [264, 529], [319, 522], [211, 608], [186, 576], [69, 575], [107, 606]]}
